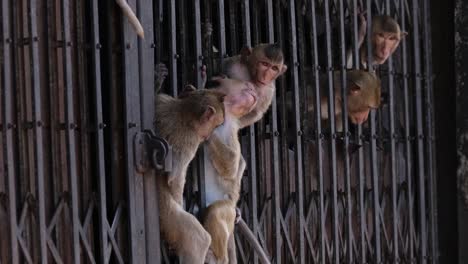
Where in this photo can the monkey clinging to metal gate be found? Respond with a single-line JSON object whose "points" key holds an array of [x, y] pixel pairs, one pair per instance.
{"points": [[184, 122], [385, 38]]}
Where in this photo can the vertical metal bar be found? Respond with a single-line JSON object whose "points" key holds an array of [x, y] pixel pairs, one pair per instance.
{"points": [[222, 34], [146, 71], [373, 150], [331, 111], [174, 56], [393, 136], [347, 176], [233, 26], [318, 135], [360, 163], [198, 66], [275, 148], [39, 153], [278, 216], [420, 134], [430, 132], [132, 121], [70, 131], [298, 137], [99, 146], [408, 145], [252, 142], [9, 127]]}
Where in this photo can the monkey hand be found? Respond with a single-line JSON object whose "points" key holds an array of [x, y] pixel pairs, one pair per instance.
{"points": [[238, 215], [362, 27], [160, 73]]}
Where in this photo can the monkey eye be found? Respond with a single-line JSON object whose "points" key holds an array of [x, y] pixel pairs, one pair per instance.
{"points": [[264, 63], [275, 68]]}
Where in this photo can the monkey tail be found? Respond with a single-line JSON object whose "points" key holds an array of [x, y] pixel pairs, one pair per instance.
{"points": [[245, 230], [131, 17]]}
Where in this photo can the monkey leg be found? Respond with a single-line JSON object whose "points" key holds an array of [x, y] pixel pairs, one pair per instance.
{"points": [[232, 249], [219, 222], [185, 234]]}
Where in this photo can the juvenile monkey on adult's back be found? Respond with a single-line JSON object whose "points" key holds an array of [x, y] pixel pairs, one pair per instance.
{"points": [[184, 122]]}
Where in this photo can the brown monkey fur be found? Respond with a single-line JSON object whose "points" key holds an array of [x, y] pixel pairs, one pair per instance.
{"points": [[386, 36], [363, 94], [132, 19], [223, 175], [261, 66], [184, 122]]}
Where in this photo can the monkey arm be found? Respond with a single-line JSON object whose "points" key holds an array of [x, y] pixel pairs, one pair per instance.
{"points": [[224, 157], [250, 118]]}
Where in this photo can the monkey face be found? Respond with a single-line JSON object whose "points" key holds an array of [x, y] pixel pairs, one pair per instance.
{"points": [[384, 44], [266, 71]]}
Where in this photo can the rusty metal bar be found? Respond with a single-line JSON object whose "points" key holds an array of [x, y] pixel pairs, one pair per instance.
{"points": [[136, 210], [9, 127], [420, 135], [99, 146], [332, 145], [37, 120]]}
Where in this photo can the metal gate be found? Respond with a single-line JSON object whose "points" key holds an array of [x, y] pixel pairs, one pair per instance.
{"points": [[77, 85]]}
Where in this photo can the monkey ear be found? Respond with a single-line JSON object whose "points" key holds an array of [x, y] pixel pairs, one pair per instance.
{"points": [[403, 34], [209, 113], [187, 90], [246, 51], [283, 69]]}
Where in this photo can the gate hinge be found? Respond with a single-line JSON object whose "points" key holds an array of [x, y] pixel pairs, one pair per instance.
{"points": [[151, 152]]}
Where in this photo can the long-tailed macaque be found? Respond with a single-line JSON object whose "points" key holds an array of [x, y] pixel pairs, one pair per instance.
{"points": [[385, 38], [184, 122], [132, 19], [363, 94], [223, 176], [260, 65]]}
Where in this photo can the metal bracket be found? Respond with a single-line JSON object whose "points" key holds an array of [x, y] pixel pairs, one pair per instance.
{"points": [[151, 152]]}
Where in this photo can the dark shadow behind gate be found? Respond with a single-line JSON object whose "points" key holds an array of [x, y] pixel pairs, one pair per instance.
{"points": [[77, 86]]}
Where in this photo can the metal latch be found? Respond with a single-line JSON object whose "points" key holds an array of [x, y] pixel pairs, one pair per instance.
{"points": [[151, 152]]}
